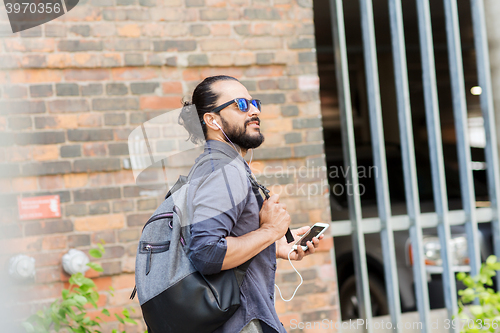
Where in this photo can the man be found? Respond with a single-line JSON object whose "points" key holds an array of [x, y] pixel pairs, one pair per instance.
{"points": [[231, 221]]}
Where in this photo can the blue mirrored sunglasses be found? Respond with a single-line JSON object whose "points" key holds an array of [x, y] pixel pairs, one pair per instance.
{"points": [[243, 104]]}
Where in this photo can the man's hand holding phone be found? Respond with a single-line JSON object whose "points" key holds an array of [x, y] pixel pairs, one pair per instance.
{"points": [[283, 248]]}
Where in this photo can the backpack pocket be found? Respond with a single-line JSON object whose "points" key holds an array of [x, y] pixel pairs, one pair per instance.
{"points": [[149, 248]]}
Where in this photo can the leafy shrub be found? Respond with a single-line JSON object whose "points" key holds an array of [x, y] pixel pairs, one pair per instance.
{"points": [[485, 315], [70, 311]]}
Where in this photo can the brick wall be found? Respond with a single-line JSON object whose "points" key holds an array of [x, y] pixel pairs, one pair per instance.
{"points": [[73, 89]]}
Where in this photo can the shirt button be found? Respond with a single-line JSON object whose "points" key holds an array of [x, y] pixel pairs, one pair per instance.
{"points": [[271, 296]]}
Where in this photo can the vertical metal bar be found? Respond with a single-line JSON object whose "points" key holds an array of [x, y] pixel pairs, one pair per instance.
{"points": [[436, 152], [461, 128], [486, 98], [379, 158], [409, 164], [349, 151], [338, 318]]}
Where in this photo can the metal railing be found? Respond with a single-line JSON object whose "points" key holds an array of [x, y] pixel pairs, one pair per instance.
{"points": [[414, 221]]}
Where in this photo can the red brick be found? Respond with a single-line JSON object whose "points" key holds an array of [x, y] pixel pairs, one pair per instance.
{"points": [[222, 29], [15, 92], [171, 73], [172, 88], [105, 236], [262, 29], [124, 177], [84, 13], [58, 121], [100, 222], [48, 274], [152, 30], [51, 182], [103, 283], [267, 71], [48, 259], [29, 45], [104, 29], [5, 185], [220, 44], [221, 3], [45, 153], [98, 179], [129, 30], [16, 154], [75, 180], [231, 71], [59, 60], [89, 120], [159, 103], [270, 112], [35, 76], [132, 73], [87, 60], [121, 298], [54, 242], [86, 74], [191, 74], [94, 149], [111, 59], [283, 29], [34, 61], [221, 59], [36, 292], [124, 281], [24, 184]]}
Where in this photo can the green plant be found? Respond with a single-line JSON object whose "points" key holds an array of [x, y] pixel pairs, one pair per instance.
{"points": [[485, 315], [70, 311]]}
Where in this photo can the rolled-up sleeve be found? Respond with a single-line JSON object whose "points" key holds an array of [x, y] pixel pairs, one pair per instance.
{"points": [[217, 205]]}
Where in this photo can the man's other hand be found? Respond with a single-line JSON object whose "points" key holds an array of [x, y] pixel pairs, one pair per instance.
{"points": [[274, 217]]}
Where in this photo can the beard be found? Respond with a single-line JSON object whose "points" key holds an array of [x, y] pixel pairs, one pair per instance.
{"points": [[240, 137]]}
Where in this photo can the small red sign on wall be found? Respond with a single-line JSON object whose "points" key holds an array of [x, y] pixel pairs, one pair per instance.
{"points": [[39, 207]]}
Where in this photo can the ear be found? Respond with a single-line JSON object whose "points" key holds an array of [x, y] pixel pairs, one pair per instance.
{"points": [[209, 118]]}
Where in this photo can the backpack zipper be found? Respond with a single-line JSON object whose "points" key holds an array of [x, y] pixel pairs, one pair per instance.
{"points": [[157, 217], [153, 248]]}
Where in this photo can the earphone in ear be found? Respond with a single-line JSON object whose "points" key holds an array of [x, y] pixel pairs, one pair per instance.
{"points": [[216, 124]]}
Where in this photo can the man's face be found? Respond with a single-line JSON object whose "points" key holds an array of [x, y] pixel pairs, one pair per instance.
{"points": [[242, 128]]}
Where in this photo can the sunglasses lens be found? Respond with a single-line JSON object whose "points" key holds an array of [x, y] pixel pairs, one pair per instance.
{"points": [[256, 103], [242, 104]]}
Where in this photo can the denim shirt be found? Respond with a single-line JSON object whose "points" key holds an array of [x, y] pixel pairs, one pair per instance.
{"points": [[223, 203]]}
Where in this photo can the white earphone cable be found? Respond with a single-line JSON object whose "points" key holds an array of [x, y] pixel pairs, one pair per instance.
{"points": [[239, 151], [301, 280]]}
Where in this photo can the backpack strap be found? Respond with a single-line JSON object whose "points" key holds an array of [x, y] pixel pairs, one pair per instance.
{"points": [[182, 180], [207, 157]]}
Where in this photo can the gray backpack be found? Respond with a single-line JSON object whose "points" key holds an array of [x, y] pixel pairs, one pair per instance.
{"points": [[173, 295]]}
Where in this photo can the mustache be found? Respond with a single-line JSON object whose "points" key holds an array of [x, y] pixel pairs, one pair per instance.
{"points": [[257, 119]]}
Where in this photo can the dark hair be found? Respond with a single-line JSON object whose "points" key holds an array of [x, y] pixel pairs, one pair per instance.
{"points": [[204, 99]]}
